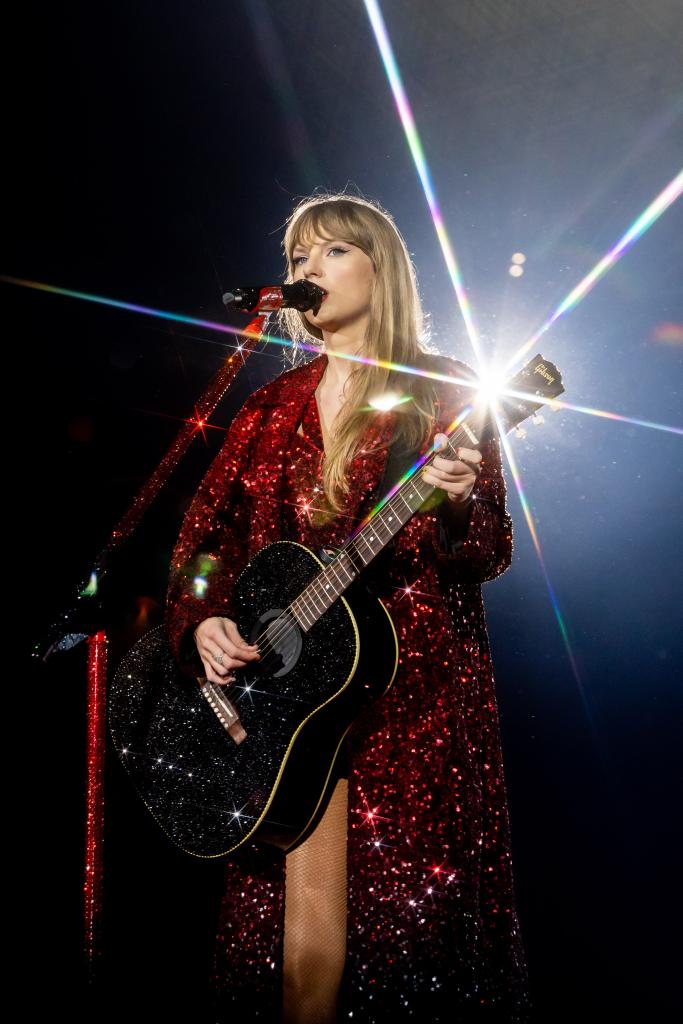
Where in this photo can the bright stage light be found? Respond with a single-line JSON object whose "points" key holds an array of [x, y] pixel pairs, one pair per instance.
{"points": [[491, 386], [388, 400]]}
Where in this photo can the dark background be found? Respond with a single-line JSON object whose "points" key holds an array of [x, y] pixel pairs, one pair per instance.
{"points": [[158, 149]]}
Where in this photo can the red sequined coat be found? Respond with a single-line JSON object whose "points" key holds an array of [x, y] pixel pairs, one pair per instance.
{"points": [[432, 926]]}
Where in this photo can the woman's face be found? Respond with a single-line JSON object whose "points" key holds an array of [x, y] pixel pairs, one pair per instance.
{"points": [[345, 273]]}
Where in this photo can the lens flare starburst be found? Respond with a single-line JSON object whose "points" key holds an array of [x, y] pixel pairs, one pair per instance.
{"points": [[493, 387]]}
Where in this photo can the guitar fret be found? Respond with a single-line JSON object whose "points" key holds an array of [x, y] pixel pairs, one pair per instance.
{"points": [[349, 574], [332, 568], [316, 610], [338, 574], [354, 554], [301, 611], [362, 537], [314, 597], [324, 589]]}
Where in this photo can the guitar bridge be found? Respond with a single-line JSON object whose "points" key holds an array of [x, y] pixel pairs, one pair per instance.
{"points": [[225, 710]]}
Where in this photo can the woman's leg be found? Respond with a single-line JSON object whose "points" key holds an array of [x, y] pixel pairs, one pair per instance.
{"points": [[315, 918]]}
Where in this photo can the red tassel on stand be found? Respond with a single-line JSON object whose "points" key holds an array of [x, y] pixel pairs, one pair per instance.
{"points": [[94, 796], [97, 645]]}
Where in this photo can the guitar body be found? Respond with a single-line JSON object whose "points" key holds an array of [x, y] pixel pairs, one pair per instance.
{"points": [[211, 794]]}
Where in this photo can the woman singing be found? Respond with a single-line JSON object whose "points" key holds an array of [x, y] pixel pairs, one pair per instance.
{"points": [[401, 901]]}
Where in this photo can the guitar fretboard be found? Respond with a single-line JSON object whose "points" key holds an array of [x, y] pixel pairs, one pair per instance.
{"points": [[360, 550]]}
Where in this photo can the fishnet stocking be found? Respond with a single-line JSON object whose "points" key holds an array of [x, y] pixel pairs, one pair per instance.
{"points": [[315, 918]]}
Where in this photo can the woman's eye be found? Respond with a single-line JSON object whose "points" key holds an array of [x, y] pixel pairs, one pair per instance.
{"points": [[335, 248]]}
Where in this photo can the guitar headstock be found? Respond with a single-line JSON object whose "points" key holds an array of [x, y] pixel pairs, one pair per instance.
{"points": [[538, 377]]}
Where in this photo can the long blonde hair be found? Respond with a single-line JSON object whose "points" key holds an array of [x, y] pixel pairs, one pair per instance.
{"points": [[395, 330]]}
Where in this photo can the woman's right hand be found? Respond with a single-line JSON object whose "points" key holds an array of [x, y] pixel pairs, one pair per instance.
{"points": [[219, 636]]}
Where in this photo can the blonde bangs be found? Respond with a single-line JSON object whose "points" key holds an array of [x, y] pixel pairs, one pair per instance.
{"points": [[326, 221], [394, 333]]}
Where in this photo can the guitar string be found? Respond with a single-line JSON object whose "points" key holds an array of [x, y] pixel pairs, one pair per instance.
{"points": [[286, 625]]}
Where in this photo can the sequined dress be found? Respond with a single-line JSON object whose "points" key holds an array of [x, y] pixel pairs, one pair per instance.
{"points": [[432, 926]]}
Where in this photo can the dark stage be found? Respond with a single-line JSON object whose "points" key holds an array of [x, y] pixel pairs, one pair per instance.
{"points": [[159, 149]]}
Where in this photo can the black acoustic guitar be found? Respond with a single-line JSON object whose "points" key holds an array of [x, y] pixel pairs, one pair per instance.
{"points": [[220, 765]]}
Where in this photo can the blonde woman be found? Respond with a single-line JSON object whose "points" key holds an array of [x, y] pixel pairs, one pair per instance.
{"points": [[401, 901]]}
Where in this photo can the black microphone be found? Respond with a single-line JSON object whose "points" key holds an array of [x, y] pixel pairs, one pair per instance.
{"points": [[301, 295]]}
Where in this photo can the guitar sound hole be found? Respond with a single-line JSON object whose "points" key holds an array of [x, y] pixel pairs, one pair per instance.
{"points": [[279, 638]]}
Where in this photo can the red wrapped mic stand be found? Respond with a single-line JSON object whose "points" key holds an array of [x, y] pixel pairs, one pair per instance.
{"points": [[97, 644]]}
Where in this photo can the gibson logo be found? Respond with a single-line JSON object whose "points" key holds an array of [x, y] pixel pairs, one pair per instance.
{"points": [[543, 370]]}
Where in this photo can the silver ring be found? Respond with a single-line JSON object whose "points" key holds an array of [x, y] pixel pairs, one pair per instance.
{"points": [[219, 658]]}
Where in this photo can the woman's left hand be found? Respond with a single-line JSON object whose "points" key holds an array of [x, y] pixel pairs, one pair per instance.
{"points": [[455, 476]]}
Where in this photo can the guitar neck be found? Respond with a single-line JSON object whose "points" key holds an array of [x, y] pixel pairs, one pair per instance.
{"points": [[360, 549], [537, 381]]}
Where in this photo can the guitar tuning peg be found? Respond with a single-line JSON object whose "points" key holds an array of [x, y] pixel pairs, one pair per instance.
{"points": [[520, 432], [538, 419]]}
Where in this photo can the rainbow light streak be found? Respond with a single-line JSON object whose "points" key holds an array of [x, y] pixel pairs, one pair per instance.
{"points": [[556, 403], [537, 545], [646, 219], [415, 146], [117, 304], [270, 339], [226, 329]]}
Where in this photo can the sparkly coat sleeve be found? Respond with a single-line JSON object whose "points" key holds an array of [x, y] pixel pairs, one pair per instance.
{"points": [[472, 545], [211, 549], [476, 546]]}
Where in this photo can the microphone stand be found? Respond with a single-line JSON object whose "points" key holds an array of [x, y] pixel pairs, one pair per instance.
{"points": [[67, 632], [301, 295], [60, 636]]}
